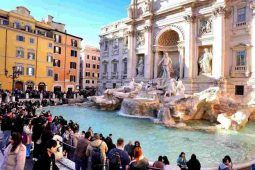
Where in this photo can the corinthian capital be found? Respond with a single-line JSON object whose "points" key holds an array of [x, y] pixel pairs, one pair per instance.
{"points": [[221, 10], [190, 18]]}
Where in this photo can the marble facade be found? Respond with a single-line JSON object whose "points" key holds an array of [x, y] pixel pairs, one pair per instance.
{"points": [[209, 42]]}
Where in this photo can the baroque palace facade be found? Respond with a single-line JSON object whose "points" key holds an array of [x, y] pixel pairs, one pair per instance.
{"points": [[46, 56], [209, 43]]}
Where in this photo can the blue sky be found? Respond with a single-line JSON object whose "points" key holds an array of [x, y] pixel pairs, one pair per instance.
{"points": [[83, 18]]}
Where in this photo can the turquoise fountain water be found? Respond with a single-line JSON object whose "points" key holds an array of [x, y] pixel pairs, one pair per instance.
{"points": [[157, 140]]}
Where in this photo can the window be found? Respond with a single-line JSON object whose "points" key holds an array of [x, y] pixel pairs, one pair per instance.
{"points": [[20, 38], [93, 82], [20, 52], [239, 90], [241, 15], [87, 56], [16, 25], [73, 53], [87, 81], [50, 45], [105, 45], [94, 58], [93, 74], [241, 58], [98, 58], [74, 43], [30, 71], [94, 66], [72, 78], [57, 38], [87, 74], [115, 67], [49, 72], [32, 41], [49, 58], [5, 22], [105, 68], [55, 77], [97, 74], [57, 49], [72, 65], [31, 55], [28, 28], [87, 65], [20, 68], [125, 68], [56, 63], [97, 66]]}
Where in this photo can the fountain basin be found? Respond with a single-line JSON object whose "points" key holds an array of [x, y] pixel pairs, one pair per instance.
{"points": [[157, 140]]}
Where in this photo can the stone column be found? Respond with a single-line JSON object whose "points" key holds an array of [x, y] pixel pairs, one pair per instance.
{"points": [[181, 59], [219, 42], [253, 41], [131, 55], [189, 46], [156, 60], [148, 62]]}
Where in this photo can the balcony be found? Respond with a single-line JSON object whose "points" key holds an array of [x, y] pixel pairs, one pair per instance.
{"points": [[114, 75], [240, 68], [124, 75], [105, 75]]}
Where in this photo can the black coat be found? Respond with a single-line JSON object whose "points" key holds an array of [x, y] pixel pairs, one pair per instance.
{"points": [[45, 163], [193, 164]]}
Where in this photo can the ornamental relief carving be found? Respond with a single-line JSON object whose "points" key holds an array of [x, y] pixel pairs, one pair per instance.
{"points": [[115, 46], [140, 39], [157, 30], [205, 26]]}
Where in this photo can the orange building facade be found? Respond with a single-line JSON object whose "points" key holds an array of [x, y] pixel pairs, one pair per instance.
{"points": [[33, 48], [91, 58]]}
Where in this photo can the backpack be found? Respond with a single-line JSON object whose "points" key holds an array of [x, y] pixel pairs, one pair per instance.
{"points": [[115, 161], [96, 156]]}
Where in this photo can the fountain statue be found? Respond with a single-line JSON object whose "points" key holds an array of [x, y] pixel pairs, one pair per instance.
{"points": [[166, 66]]}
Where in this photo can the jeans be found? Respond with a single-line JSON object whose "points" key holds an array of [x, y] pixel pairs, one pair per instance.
{"points": [[28, 149], [6, 136], [81, 164]]}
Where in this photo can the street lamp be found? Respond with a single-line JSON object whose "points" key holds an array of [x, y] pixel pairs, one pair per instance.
{"points": [[15, 74]]}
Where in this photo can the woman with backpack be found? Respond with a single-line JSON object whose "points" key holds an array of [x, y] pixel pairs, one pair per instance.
{"points": [[96, 151], [14, 154]]}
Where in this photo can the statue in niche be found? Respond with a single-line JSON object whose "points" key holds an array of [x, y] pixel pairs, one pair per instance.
{"points": [[205, 62], [130, 12], [140, 40], [116, 44], [147, 6], [140, 67], [205, 26], [166, 66]]}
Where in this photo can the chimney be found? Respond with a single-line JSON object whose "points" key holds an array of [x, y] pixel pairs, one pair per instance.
{"points": [[49, 19]]}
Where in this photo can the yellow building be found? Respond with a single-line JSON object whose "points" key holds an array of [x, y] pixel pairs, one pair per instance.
{"points": [[29, 46]]}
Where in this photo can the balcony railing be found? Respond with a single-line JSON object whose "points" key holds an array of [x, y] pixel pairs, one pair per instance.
{"points": [[114, 75], [105, 75], [124, 75], [240, 24], [240, 68]]}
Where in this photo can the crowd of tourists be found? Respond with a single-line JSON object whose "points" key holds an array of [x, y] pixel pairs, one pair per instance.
{"points": [[6, 95], [24, 130]]}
